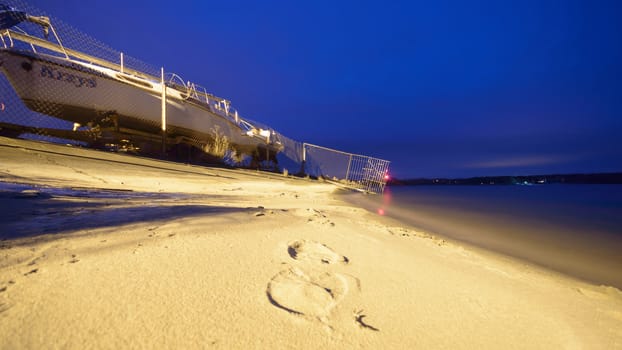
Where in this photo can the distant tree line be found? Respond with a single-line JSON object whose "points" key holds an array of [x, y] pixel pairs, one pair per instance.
{"points": [[599, 178]]}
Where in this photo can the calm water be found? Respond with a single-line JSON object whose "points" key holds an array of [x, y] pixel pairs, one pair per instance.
{"points": [[575, 229]]}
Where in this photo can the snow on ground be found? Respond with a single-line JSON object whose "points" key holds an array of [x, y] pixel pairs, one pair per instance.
{"points": [[104, 250]]}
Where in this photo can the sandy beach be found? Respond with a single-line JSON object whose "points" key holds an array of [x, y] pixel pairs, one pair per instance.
{"points": [[104, 250]]}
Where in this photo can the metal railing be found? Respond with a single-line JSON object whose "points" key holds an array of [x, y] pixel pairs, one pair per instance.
{"points": [[355, 171]]}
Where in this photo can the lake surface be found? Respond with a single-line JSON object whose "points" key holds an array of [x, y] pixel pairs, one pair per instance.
{"points": [[574, 229]]}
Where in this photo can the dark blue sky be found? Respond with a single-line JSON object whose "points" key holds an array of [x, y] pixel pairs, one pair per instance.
{"points": [[440, 88]]}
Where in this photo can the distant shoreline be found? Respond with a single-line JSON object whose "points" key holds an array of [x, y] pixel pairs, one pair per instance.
{"points": [[593, 179]]}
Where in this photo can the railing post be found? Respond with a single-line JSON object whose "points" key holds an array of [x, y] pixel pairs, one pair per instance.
{"points": [[226, 109], [348, 171], [304, 152], [163, 112], [301, 172]]}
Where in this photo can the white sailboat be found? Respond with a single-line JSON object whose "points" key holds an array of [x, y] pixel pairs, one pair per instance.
{"points": [[86, 90]]}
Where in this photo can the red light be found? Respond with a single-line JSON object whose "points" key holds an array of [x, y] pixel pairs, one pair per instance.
{"points": [[386, 176], [380, 211]]}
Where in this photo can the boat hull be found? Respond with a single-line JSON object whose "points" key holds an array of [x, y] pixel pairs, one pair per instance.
{"points": [[74, 92]]}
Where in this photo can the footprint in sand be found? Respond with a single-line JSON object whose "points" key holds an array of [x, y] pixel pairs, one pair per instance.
{"points": [[314, 252], [308, 294], [316, 216], [3, 307], [313, 292]]}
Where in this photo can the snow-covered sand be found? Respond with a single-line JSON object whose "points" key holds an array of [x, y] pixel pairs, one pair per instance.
{"points": [[103, 250]]}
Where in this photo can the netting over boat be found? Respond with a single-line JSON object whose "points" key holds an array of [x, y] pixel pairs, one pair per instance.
{"points": [[62, 85], [26, 102], [75, 39]]}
